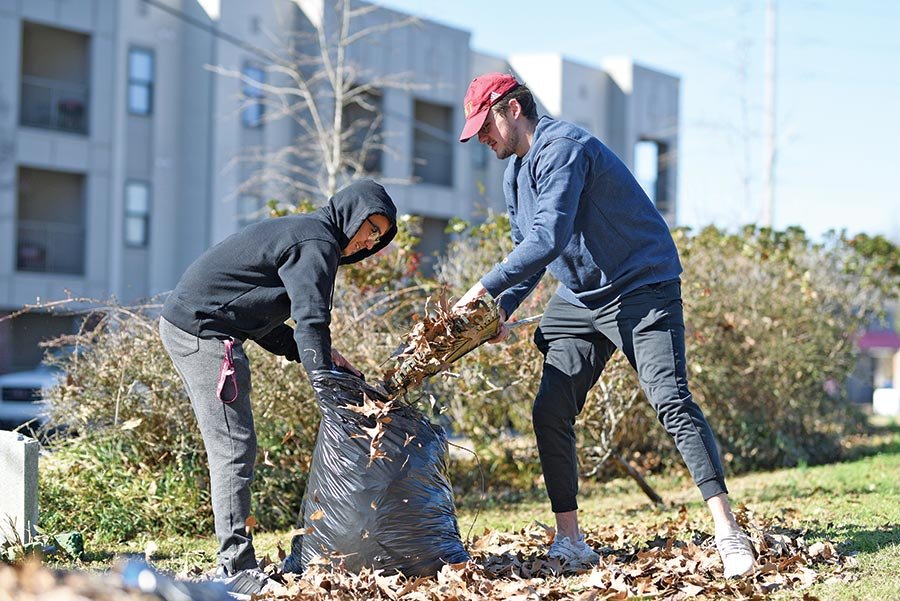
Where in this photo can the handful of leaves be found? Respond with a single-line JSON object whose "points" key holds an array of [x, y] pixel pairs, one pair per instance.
{"points": [[441, 337]]}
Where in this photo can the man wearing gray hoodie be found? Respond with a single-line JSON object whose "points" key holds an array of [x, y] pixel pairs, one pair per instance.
{"points": [[576, 211], [245, 288]]}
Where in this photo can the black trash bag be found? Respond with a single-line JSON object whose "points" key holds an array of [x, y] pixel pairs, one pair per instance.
{"points": [[378, 494]]}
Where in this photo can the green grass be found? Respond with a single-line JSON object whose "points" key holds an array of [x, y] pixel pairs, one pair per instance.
{"points": [[855, 504]]}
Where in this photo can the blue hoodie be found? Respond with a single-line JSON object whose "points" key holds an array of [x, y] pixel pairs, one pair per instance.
{"points": [[576, 210]]}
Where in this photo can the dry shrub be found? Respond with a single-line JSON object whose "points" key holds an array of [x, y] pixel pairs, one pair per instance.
{"points": [[769, 317], [770, 320]]}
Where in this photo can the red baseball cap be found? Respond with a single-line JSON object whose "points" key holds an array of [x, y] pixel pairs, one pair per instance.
{"points": [[484, 91]]}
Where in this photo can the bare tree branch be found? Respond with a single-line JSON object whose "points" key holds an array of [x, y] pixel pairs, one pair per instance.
{"points": [[311, 83]]}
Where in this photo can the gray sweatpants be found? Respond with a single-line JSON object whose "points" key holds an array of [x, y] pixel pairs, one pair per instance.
{"points": [[227, 431], [648, 326]]}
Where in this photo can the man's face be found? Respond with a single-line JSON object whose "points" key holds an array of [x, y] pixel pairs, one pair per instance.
{"points": [[500, 134], [368, 234]]}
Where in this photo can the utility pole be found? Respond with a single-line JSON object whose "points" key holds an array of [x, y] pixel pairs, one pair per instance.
{"points": [[768, 217]]}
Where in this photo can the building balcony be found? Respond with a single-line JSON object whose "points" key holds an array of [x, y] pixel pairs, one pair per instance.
{"points": [[53, 104], [49, 247]]}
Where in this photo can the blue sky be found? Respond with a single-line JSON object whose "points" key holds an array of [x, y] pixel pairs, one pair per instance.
{"points": [[838, 85]]}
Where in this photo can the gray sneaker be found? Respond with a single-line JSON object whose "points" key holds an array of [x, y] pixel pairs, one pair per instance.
{"points": [[574, 553], [244, 583], [736, 553]]}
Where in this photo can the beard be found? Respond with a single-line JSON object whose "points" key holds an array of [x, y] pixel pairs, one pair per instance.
{"points": [[509, 148]]}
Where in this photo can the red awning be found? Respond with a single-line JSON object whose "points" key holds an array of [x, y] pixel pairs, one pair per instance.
{"points": [[879, 339]]}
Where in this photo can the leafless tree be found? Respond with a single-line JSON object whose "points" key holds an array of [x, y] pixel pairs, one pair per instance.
{"points": [[333, 102]]}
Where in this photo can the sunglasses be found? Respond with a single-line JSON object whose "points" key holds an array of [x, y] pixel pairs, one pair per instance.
{"points": [[376, 234]]}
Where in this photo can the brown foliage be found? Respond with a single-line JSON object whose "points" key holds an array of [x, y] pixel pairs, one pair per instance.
{"points": [[664, 561], [768, 322], [439, 338]]}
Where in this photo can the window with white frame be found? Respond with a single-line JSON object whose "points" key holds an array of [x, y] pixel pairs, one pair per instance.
{"points": [[253, 95], [137, 214], [140, 81]]}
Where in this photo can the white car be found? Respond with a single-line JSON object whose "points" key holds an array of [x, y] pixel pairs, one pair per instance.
{"points": [[22, 395]]}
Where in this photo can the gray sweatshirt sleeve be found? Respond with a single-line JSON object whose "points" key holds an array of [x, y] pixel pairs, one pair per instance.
{"points": [[560, 171], [308, 271]]}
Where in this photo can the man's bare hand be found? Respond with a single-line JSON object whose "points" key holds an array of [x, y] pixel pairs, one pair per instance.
{"points": [[476, 291], [503, 332], [339, 361]]}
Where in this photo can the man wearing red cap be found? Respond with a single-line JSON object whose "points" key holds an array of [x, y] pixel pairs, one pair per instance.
{"points": [[577, 211]]}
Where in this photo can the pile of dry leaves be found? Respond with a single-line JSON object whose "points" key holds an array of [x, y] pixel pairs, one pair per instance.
{"points": [[438, 339], [666, 562]]}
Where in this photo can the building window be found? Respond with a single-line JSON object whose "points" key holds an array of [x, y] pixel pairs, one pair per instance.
{"points": [[253, 107], [250, 209], [433, 243], [651, 170], [140, 81], [137, 214], [433, 141], [50, 226], [54, 91], [363, 142]]}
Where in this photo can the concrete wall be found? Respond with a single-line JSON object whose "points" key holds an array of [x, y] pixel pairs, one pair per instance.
{"points": [[435, 59], [167, 149]]}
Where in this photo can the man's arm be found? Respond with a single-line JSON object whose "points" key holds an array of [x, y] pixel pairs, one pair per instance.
{"points": [[308, 271], [561, 169], [280, 341], [511, 298]]}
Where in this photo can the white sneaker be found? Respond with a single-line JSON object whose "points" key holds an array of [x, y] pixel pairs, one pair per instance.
{"points": [[736, 553], [575, 553]]}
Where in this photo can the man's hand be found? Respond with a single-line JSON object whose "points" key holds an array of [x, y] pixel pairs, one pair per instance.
{"points": [[476, 291], [503, 332], [339, 361]]}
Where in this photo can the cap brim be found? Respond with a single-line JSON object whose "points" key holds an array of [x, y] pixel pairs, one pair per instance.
{"points": [[473, 125]]}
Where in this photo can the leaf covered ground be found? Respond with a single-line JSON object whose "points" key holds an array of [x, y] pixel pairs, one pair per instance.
{"points": [[825, 532], [661, 561], [665, 561]]}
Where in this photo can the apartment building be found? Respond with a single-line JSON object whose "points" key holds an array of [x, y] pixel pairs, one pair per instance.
{"points": [[119, 145], [104, 173], [631, 108]]}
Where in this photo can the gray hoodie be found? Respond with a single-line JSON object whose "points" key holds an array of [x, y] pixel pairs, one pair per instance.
{"points": [[246, 286]]}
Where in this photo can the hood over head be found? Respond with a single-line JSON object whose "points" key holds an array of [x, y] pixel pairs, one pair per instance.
{"points": [[350, 206]]}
